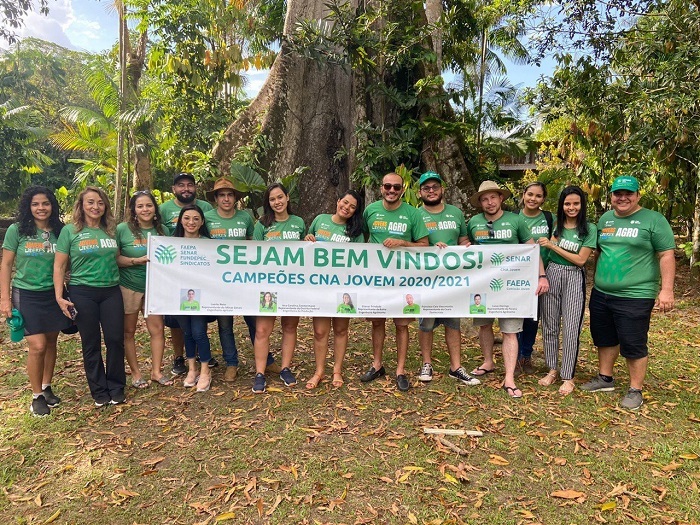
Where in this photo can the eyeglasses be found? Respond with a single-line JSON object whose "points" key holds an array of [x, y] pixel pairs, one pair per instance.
{"points": [[395, 187], [142, 192], [46, 245], [432, 187], [489, 227]]}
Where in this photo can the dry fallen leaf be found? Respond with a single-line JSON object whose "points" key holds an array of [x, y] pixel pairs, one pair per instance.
{"points": [[567, 494]]}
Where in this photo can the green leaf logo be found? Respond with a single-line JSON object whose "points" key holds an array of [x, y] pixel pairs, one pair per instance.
{"points": [[165, 254], [497, 259], [496, 285]]}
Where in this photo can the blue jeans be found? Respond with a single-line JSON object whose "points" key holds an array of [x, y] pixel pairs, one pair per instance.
{"points": [[526, 338], [228, 339], [194, 328]]}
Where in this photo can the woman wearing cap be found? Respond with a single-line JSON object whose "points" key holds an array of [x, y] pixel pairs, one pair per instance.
{"points": [[132, 240], [345, 225], [540, 223], [87, 246], [191, 225], [570, 246], [276, 224], [29, 246]]}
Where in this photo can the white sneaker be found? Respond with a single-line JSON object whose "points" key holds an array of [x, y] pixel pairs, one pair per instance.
{"points": [[426, 373]]}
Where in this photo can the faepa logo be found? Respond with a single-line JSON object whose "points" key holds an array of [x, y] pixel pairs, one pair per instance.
{"points": [[497, 259], [496, 285], [165, 254]]}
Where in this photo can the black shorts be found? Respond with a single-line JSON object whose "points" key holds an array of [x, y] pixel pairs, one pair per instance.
{"points": [[621, 321], [40, 311], [171, 321]]}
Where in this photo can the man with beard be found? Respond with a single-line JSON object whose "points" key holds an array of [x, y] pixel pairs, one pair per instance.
{"points": [[497, 226], [395, 224], [227, 222], [185, 190], [446, 227]]}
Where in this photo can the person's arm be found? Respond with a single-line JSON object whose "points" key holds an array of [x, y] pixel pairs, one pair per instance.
{"points": [[60, 265], [124, 262], [579, 259], [542, 282], [400, 243], [464, 241], [667, 263], [8, 260]]}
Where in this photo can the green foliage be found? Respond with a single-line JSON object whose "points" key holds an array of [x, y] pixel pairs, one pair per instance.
{"points": [[248, 181], [13, 13]]}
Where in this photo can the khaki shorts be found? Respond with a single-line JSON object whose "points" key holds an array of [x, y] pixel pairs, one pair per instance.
{"points": [[133, 301], [508, 325]]}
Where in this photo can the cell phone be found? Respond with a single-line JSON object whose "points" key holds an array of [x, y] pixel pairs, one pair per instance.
{"points": [[73, 312]]}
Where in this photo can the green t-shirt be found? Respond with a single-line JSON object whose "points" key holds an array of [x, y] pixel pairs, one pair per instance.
{"points": [[509, 228], [346, 309], [93, 256], [272, 308], [324, 229], [628, 265], [539, 228], [133, 277], [189, 306], [447, 226], [33, 261], [411, 309], [477, 309], [405, 223], [293, 229], [572, 242], [239, 227], [170, 211]]}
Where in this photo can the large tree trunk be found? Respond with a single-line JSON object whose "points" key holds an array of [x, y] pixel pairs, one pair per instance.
{"points": [[695, 256], [308, 112]]}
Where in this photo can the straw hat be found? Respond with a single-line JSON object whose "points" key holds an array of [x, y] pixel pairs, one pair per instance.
{"points": [[485, 187], [223, 183]]}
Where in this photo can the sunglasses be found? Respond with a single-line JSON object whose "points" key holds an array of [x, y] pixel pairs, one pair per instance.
{"points": [[489, 227], [46, 245], [395, 187], [142, 192]]}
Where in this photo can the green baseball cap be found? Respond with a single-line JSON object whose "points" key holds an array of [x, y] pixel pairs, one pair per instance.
{"points": [[427, 176], [625, 182], [16, 325]]}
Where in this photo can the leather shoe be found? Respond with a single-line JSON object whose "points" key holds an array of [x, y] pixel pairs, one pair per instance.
{"points": [[372, 374], [402, 382]]}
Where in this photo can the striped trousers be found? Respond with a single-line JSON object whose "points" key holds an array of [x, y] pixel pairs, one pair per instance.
{"points": [[562, 309]]}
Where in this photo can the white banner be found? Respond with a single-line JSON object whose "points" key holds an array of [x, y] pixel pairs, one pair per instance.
{"points": [[214, 277]]}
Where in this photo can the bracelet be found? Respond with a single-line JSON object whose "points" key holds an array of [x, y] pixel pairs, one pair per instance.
{"points": [[543, 276]]}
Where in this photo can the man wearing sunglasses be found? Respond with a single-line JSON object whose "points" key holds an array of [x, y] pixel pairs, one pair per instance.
{"points": [[185, 190], [635, 251], [395, 224], [497, 226], [446, 227]]}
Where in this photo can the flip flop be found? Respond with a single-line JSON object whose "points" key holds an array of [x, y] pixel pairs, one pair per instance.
{"points": [[478, 372], [337, 380], [163, 381], [511, 391], [140, 383]]}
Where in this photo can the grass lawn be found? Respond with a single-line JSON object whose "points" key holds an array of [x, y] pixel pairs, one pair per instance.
{"points": [[358, 454]]}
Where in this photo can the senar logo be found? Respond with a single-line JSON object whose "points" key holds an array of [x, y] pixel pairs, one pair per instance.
{"points": [[497, 259], [165, 254], [496, 285]]}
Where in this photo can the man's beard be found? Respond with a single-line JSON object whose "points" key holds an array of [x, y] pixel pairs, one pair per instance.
{"points": [[186, 200], [433, 202]]}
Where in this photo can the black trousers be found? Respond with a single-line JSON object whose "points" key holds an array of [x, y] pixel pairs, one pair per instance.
{"points": [[101, 307]]}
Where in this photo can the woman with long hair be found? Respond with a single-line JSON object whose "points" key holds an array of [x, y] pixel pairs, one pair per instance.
{"points": [[540, 224], [563, 305], [345, 225], [191, 225], [29, 247], [132, 239], [277, 223], [88, 247]]}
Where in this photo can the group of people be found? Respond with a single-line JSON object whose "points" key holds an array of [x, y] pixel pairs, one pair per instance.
{"points": [[91, 273]]}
